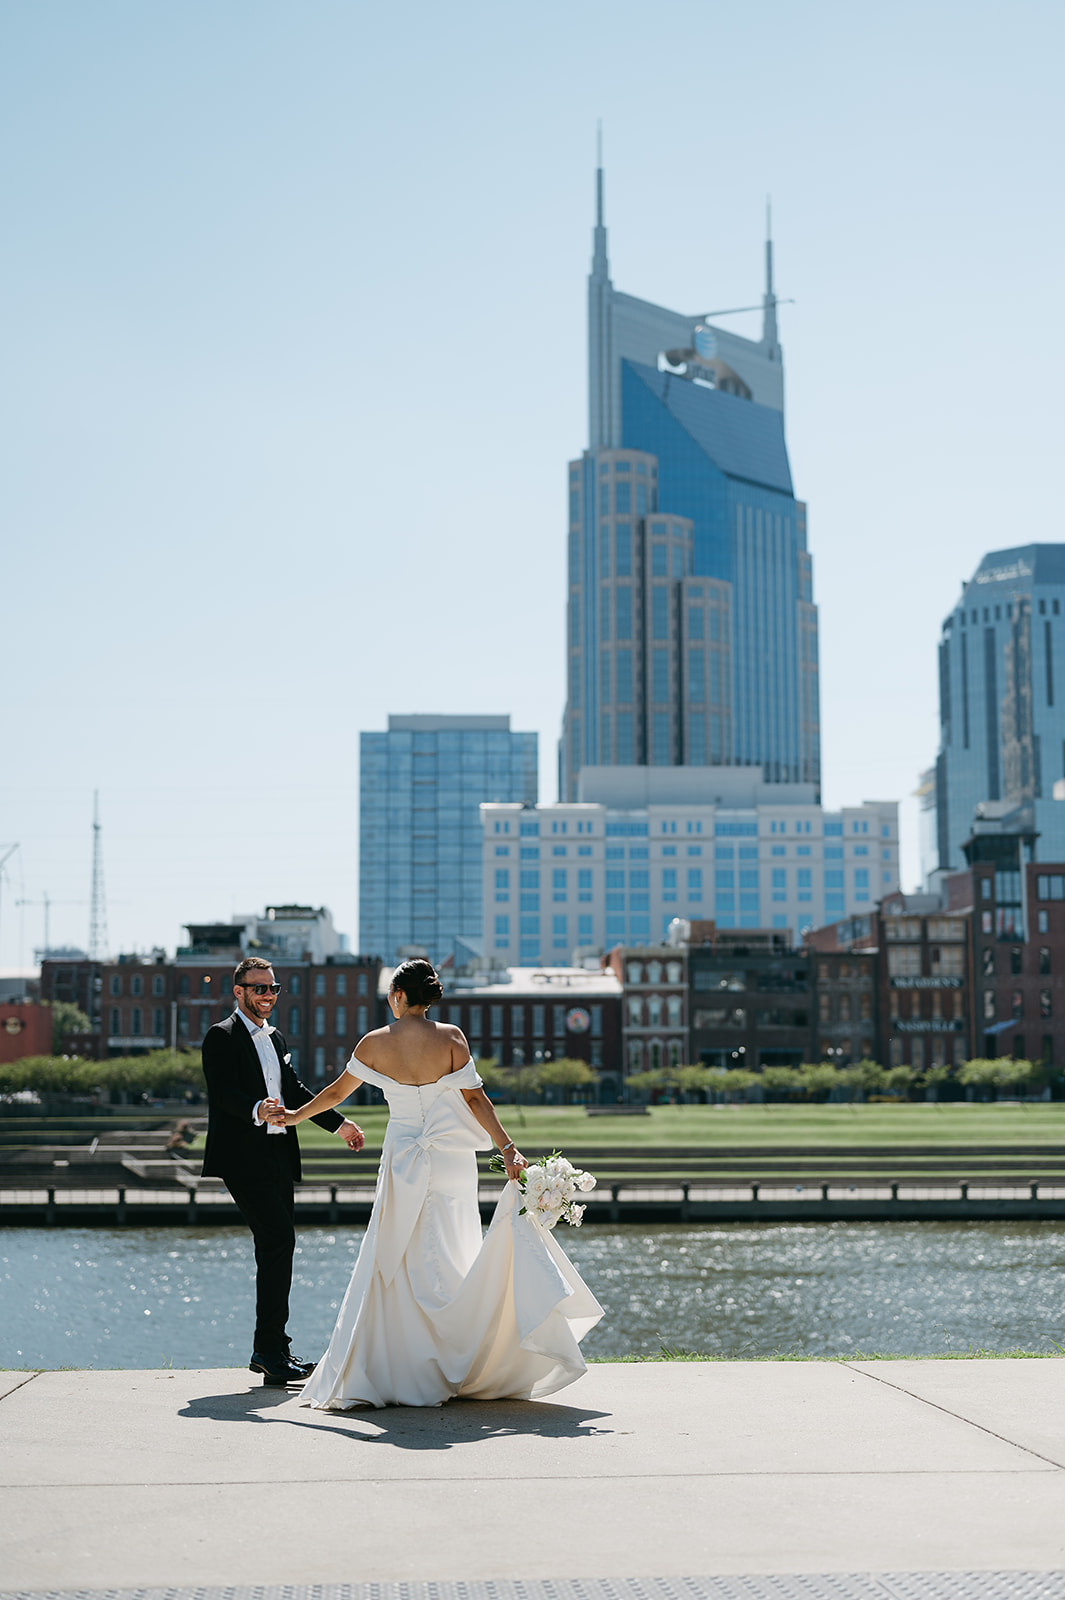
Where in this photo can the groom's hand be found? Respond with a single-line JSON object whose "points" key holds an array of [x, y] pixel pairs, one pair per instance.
{"points": [[352, 1135]]}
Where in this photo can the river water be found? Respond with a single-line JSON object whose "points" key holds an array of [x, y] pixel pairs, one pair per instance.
{"points": [[152, 1297]]}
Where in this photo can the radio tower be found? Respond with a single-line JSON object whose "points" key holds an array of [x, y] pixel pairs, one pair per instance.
{"points": [[98, 905]]}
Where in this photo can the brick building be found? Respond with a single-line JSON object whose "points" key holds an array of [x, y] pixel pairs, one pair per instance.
{"points": [[25, 1030], [750, 998], [847, 1006], [150, 1003], [895, 982], [654, 985], [521, 1015], [75, 979]]}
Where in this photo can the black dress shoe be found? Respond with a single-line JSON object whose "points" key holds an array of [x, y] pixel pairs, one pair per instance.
{"points": [[278, 1371], [306, 1367]]}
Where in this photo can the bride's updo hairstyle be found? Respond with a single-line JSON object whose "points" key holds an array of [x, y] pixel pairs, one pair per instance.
{"points": [[419, 982]]}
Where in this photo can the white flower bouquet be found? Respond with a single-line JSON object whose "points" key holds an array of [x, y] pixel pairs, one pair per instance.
{"points": [[550, 1187]]}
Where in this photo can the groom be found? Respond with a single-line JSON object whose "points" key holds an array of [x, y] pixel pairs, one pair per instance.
{"points": [[248, 1069]]}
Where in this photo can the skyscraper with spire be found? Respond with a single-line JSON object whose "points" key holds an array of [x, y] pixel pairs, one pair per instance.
{"points": [[691, 627]]}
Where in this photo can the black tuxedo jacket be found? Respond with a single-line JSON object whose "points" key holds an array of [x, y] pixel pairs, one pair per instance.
{"points": [[236, 1147]]}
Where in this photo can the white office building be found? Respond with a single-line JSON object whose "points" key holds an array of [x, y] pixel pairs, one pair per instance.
{"points": [[645, 845]]}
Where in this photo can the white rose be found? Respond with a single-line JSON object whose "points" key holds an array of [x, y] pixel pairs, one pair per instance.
{"points": [[576, 1214], [585, 1182]]}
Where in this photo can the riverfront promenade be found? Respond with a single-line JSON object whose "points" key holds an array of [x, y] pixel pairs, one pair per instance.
{"points": [[203, 1480]]}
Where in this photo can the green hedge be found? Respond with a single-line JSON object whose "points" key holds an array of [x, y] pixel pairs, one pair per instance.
{"points": [[167, 1073]]}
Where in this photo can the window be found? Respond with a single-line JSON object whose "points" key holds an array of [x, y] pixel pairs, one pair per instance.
{"points": [[319, 1021], [659, 568], [1017, 1004], [861, 849], [319, 983], [1015, 961], [1049, 886], [293, 1019], [341, 1020], [116, 1020], [136, 984], [529, 878], [137, 1029], [116, 985], [319, 1062], [1042, 921], [659, 612], [342, 983], [158, 1023], [1044, 961], [660, 676], [1045, 1003], [530, 852], [502, 877], [623, 498], [294, 984], [158, 985], [861, 878]]}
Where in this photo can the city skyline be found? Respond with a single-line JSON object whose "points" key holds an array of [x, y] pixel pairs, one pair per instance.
{"points": [[284, 366]]}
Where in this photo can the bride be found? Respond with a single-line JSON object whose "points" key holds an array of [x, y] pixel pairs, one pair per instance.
{"points": [[433, 1310]]}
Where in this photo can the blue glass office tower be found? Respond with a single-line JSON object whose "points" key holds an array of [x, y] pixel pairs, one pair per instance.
{"points": [[1002, 702], [420, 845], [691, 628]]}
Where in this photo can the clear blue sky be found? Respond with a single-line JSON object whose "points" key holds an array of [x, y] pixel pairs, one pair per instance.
{"points": [[294, 356]]}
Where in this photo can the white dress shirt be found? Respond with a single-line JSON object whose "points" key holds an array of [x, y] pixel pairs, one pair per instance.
{"points": [[260, 1034]]}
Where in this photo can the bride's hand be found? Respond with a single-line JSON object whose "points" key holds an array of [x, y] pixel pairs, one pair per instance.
{"points": [[514, 1164]]}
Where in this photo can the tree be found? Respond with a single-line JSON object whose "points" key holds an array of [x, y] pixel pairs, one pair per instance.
{"points": [[997, 1072], [67, 1018], [866, 1075], [899, 1080], [731, 1080], [567, 1074], [819, 1077], [781, 1080], [646, 1082], [690, 1079]]}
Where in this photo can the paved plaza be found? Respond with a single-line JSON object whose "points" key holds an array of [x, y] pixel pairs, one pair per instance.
{"points": [[671, 1480]]}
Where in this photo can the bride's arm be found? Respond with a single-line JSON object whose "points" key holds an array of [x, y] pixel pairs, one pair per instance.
{"points": [[485, 1113], [329, 1097]]}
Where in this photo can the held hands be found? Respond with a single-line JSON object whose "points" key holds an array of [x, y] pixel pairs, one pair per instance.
{"points": [[352, 1136], [277, 1116]]}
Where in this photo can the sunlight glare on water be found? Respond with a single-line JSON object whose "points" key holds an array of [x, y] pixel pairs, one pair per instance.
{"points": [[158, 1296]]}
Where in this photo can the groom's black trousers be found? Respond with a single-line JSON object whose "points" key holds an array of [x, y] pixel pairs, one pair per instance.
{"points": [[266, 1203]]}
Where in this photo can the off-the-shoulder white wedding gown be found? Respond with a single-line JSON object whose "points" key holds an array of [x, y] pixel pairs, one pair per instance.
{"points": [[434, 1311]]}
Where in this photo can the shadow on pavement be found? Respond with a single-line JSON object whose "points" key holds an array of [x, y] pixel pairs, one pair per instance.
{"points": [[406, 1427]]}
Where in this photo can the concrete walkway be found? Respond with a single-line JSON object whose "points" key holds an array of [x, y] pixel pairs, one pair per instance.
{"points": [[204, 1479]]}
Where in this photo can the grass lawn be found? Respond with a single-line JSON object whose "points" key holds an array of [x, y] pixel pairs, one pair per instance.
{"points": [[538, 1128]]}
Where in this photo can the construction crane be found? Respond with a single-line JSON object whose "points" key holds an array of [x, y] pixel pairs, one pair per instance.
{"points": [[98, 907], [47, 902], [8, 852]]}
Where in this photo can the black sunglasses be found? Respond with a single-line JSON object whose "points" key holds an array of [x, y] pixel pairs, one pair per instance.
{"points": [[260, 988]]}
